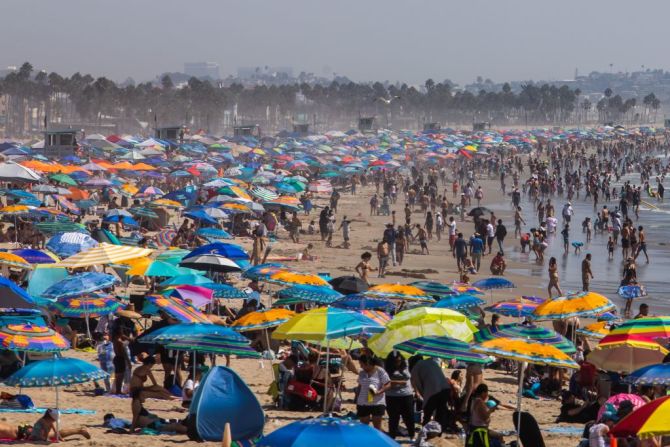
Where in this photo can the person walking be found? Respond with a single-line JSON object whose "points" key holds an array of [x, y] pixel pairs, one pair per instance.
{"points": [[642, 244], [553, 278], [476, 250], [460, 251], [587, 274], [501, 232]]}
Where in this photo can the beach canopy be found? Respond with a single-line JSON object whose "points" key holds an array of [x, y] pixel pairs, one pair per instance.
{"points": [[325, 323], [104, 254], [326, 432], [647, 421]]}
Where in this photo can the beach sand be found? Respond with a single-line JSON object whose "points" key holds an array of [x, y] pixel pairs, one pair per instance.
{"points": [[365, 231]]}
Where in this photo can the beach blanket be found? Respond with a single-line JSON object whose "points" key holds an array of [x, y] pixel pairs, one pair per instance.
{"points": [[561, 430], [42, 410]]}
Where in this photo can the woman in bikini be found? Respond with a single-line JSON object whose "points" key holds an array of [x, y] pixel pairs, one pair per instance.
{"points": [[139, 393]]}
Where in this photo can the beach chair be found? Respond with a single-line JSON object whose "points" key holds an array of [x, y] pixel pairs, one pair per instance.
{"points": [[529, 430]]}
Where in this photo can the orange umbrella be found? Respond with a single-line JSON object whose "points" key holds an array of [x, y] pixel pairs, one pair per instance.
{"points": [[124, 165], [78, 194], [144, 167]]}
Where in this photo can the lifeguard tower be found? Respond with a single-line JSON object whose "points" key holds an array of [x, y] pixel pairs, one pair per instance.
{"points": [[431, 127], [170, 133], [59, 143], [478, 127], [247, 130], [301, 129], [366, 124]]}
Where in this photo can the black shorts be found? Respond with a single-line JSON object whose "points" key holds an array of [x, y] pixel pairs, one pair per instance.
{"points": [[363, 411], [119, 365]]}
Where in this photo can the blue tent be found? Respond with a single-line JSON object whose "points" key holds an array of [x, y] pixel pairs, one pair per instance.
{"points": [[221, 398]]}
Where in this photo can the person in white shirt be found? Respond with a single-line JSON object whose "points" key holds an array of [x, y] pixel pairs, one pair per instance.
{"points": [[188, 389], [490, 235]]}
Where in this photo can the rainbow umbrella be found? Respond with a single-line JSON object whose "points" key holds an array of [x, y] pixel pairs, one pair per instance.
{"points": [[436, 289], [12, 260], [262, 319], [647, 421], [326, 323], [658, 374], [461, 301], [32, 338], [177, 308], [460, 287], [294, 278], [165, 238], [398, 292], [583, 304], [442, 347], [529, 332], [78, 307], [624, 353], [650, 327], [596, 330], [516, 309]]}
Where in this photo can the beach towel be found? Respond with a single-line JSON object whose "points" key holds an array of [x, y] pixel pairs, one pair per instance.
{"points": [[42, 410]]}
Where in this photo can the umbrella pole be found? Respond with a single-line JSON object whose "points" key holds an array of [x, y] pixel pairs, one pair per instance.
{"points": [[522, 368], [88, 329], [176, 362], [325, 386], [57, 420]]}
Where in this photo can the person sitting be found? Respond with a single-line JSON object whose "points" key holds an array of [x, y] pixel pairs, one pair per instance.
{"points": [[139, 393], [481, 408], [47, 424], [578, 413], [498, 264], [192, 382]]}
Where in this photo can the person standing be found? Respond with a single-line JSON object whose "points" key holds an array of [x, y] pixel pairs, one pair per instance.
{"points": [[476, 250], [400, 396], [642, 245], [518, 220], [553, 278], [490, 234], [373, 382], [587, 274], [390, 236], [452, 232], [434, 389], [460, 251], [345, 227], [501, 232], [383, 256], [400, 245]]}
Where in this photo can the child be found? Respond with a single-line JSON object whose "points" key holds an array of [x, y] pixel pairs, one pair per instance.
{"points": [[566, 237], [578, 246], [105, 350], [610, 248], [47, 424], [311, 228], [307, 253]]}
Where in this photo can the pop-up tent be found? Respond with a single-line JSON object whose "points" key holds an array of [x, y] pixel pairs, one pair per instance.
{"points": [[221, 398]]}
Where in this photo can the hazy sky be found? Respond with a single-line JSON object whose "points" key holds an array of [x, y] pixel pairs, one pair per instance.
{"points": [[407, 40]]}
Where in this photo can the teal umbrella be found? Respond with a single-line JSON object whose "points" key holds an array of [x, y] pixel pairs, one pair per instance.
{"points": [[442, 347]]}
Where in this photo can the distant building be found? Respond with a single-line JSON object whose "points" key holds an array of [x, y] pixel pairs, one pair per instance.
{"points": [[202, 70], [259, 72]]}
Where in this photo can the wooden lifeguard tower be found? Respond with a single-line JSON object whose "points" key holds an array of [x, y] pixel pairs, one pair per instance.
{"points": [[247, 130], [366, 124], [170, 133], [477, 127], [432, 127], [59, 143]]}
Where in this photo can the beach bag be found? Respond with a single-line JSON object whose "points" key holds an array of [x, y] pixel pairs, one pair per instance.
{"points": [[302, 390]]}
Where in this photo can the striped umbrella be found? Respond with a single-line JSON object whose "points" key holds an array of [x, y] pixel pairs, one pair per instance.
{"points": [[294, 278], [376, 315], [325, 323], [178, 309], [263, 271], [658, 374], [434, 288], [316, 294], [583, 304], [36, 256], [529, 332], [360, 301], [597, 330], [626, 353], [382, 344], [84, 307], [650, 327], [459, 287], [648, 421], [442, 347], [177, 332], [143, 212], [213, 344], [457, 302], [398, 291], [522, 350], [104, 254], [226, 291], [60, 227], [262, 319], [165, 237], [32, 338], [13, 260]]}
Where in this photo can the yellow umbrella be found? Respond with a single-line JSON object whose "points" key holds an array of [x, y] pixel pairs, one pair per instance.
{"points": [[595, 330], [130, 189], [104, 254], [574, 305], [522, 350], [398, 291], [289, 278], [167, 203], [15, 209], [382, 344]]}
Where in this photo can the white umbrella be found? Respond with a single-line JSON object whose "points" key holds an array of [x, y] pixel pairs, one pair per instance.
{"points": [[14, 172]]}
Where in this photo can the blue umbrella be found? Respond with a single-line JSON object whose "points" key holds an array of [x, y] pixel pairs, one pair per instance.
{"points": [[177, 332], [326, 432], [80, 284], [457, 302], [230, 251], [360, 301], [633, 291], [68, 244], [226, 291], [214, 233], [316, 294], [125, 220], [658, 374], [434, 288], [34, 256], [202, 216], [263, 270], [495, 282], [58, 371], [13, 295]]}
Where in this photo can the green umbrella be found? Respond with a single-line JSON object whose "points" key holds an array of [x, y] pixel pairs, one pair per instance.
{"points": [[143, 212], [173, 256], [162, 268], [60, 227], [64, 179]]}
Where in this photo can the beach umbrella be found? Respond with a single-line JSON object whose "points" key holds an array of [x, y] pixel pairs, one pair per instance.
{"points": [[154, 268], [63, 179], [613, 403], [176, 308], [626, 353], [178, 332], [657, 374], [189, 278], [27, 337], [84, 307], [650, 327], [316, 294], [528, 332], [647, 421], [360, 301], [495, 282], [293, 278], [210, 263], [214, 233], [226, 291], [377, 316], [348, 284], [326, 432], [201, 216], [263, 271], [399, 292], [173, 256], [461, 301], [583, 304], [597, 330], [442, 347], [143, 211], [104, 254], [198, 296], [382, 344], [13, 260], [80, 284], [326, 323], [213, 344], [35, 256], [263, 194], [230, 251], [460, 326], [517, 309], [466, 288], [436, 289], [262, 319], [55, 372], [13, 295], [166, 203], [61, 227], [632, 291]]}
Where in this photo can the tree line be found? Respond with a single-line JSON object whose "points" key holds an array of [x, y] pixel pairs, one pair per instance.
{"points": [[31, 98]]}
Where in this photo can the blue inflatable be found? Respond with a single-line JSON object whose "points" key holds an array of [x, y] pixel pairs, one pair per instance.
{"points": [[224, 397]]}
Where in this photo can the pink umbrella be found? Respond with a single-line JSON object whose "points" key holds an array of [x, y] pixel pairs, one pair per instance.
{"points": [[198, 296], [615, 401]]}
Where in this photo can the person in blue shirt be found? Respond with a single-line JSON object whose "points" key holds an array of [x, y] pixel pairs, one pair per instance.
{"points": [[476, 249]]}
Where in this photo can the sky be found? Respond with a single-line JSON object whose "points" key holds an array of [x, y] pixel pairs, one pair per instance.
{"points": [[396, 40]]}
